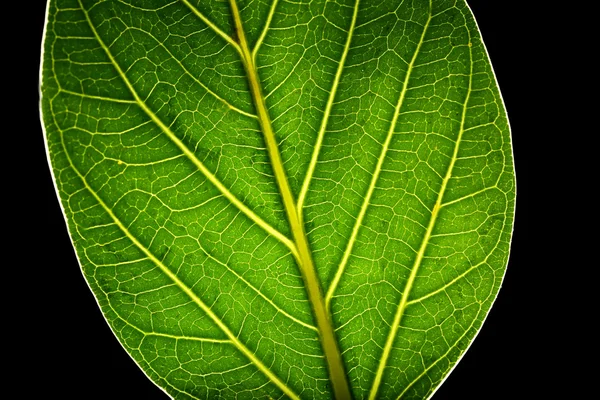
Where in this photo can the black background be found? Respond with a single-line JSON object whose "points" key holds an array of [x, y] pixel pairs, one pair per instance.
{"points": [[76, 356]]}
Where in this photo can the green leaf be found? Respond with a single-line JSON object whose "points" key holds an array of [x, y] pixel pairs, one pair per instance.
{"points": [[303, 199]]}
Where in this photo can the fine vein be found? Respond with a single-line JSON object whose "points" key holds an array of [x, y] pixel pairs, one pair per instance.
{"points": [[184, 288], [209, 175], [321, 134], [329, 343], [455, 280], [199, 82], [93, 97], [264, 31], [212, 25], [442, 357], [253, 288], [421, 253], [363, 210]]}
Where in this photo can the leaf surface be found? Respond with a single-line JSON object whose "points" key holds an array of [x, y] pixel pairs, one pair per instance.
{"points": [[279, 199]]}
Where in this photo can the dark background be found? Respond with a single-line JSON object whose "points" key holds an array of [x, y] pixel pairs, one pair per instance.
{"points": [[76, 356]]}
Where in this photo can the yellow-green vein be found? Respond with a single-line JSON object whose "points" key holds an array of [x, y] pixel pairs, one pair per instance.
{"points": [[263, 34], [180, 284], [363, 210], [453, 281], [209, 90], [92, 97], [422, 374], [191, 156], [421, 253], [323, 127], [271, 302], [329, 343], [212, 25], [167, 335], [468, 196]]}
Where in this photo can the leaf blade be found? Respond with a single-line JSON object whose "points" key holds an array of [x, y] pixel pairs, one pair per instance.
{"points": [[221, 245]]}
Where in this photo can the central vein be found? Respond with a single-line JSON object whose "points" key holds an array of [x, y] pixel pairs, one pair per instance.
{"points": [[331, 350]]}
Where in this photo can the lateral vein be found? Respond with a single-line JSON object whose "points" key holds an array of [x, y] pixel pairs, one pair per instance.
{"points": [[180, 284], [93, 97], [271, 302], [420, 255], [263, 34], [453, 281], [212, 25], [325, 120], [363, 210], [209, 90], [169, 336], [191, 156], [439, 359]]}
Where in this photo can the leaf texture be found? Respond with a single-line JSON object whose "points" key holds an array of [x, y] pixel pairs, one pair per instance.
{"points": [[282, 199]]}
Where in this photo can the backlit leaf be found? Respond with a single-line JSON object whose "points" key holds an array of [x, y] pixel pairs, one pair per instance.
{"points": [[275, 198]]}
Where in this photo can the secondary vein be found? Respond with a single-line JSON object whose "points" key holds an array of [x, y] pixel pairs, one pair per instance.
{"points": [[212, 25], [93, 97], [324, 122], [264, 31], [363, 210], [442, 357], [178, 282], [253, 288], [191, 156], [200, 83], [421, 253]]}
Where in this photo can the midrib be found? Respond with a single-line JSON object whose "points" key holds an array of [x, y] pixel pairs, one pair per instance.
{"points": [[329, 343]]}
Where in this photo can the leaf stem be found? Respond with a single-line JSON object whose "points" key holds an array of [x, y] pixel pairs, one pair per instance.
{"points": [[331, 350]]}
